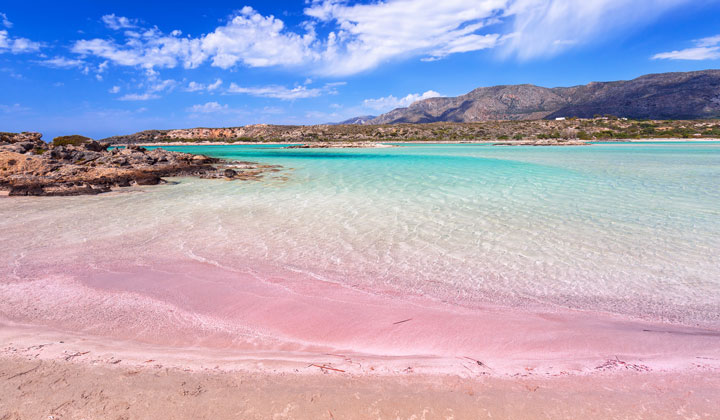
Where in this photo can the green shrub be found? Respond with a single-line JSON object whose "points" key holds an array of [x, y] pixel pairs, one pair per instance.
{"points": [[74, 140], [583, 135], [518, 137]]}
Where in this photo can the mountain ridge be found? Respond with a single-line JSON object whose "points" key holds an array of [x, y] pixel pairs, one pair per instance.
{"points": [[659, 96]]}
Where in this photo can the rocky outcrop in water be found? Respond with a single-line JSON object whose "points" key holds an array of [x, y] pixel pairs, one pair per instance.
{"points": [[29, 166]]}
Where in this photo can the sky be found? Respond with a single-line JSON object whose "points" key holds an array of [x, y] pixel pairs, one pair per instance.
{"points": [[102, 68]]}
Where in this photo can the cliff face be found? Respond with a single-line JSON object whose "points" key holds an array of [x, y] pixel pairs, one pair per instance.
{"points": [[692, 95]]}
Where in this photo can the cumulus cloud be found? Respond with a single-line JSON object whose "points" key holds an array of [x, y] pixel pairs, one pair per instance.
{"points": [[200, 87], [17, 45], [114, 89], [359, 37], [207, 108], [704, 49], [118, 22], [390, 102], [149, 50], [257, 41]]}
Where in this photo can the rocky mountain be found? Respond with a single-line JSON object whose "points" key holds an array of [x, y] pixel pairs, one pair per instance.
{"points": [[358, 120], [692, 95]]}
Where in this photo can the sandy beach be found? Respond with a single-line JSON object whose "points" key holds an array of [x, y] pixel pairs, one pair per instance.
{"points": [[423, 295], [44, 377]]}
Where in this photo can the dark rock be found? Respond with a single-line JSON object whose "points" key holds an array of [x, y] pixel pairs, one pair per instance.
{"points": [[96, 147], [147, 179], [122, 182], [26, 189], [229, 173]]}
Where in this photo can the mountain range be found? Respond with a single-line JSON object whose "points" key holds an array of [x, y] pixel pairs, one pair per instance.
{"points": [[691, 95]]}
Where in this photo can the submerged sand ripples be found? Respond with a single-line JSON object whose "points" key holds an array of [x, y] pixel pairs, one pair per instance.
{"points": [[631, 229]]}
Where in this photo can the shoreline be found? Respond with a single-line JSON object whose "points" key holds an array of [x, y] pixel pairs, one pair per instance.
{"points": [[428, 335], [389, 142]]}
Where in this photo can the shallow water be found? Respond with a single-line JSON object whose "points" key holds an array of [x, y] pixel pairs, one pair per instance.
{"points": [[627, 228], [312, 254]]}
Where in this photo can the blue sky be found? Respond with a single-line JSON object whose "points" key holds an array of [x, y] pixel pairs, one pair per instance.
{"points": [[107, 68]]}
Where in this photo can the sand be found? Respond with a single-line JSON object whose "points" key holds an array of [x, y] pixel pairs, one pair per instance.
{"points": [[58, 389], [46, 375]]}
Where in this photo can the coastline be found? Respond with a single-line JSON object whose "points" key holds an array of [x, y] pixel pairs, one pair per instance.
{"points": [[174, 333], [270, 143]]}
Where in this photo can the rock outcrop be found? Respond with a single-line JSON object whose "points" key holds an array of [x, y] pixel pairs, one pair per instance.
{"points": [[29, 166]]}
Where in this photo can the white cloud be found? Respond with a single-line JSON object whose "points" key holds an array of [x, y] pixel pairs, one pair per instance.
{"points": [[118, 22], [278, 92], [139, 97], [257, 41], [390, 102], [114, 89], [207, 108], [705, 49], [369, 34], [4, 20], [362, 36], [61, 63], [162, 85], [194, 87], [197, 87], [17, 45], [215, 85], [547, 27], [149, 50]]}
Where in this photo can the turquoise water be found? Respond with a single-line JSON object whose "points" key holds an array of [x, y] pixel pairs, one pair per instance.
{"points": [[628, 228]]}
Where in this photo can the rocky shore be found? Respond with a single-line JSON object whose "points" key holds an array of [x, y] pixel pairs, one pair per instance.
{"points": [[78, 166]]}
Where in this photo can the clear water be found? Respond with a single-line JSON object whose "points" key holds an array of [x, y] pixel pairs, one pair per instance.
{"points": [[627, 228]]}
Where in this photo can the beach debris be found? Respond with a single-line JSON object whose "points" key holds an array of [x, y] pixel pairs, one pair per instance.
{"points": [[404, 320], [616, 363], [324, 367], [74, 355], [479, 363]]}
